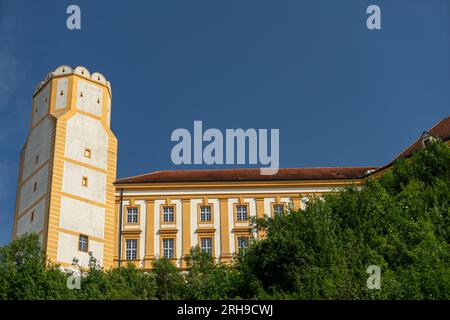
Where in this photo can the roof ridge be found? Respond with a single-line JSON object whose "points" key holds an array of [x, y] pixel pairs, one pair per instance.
{"points": [[240, 169]]}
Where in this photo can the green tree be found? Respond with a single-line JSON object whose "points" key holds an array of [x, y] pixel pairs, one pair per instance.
{"points": [[169, 280], [207, 279], [25, 275], [399, 223]]}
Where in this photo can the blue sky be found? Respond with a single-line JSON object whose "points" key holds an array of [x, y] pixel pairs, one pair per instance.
{"points": [[341, 95]]}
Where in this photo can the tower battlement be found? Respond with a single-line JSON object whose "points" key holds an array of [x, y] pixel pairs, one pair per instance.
{"points": [[68, 70]]}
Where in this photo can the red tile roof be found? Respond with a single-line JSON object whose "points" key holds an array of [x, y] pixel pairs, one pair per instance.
{"points": [[440, 130], [251, 174]]}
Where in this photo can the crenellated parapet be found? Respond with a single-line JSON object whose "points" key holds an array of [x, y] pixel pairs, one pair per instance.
{"points": [[81, 71]]}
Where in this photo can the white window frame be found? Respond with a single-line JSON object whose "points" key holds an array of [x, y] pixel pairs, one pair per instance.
{"points": [[276, 210], [206, 245], [205, 213], [132, 214], [241, 212], [168, 214], [83, 243], [242, 248], [131, 246], [168, 248]]}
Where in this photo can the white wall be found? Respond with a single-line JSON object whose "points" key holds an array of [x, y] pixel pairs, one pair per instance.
{"points": [[91, 101], [61, 100], [85, 132], [27, 195], [40, 104], [72, 178], [39, 143], [68, 249], [25, 225], [82, 217]]}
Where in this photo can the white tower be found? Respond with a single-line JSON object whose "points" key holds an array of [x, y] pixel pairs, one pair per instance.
{"points": [[65, 190]]}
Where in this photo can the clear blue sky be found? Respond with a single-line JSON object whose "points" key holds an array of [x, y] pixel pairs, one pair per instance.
{"points": [[341, 95]]}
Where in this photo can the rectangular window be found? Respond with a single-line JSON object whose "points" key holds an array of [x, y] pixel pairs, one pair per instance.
{"points": [[83, 243], [241, 213], [36, 159], [278, 209], [131, 249], [87, 152], [32, 216], [206, 245], [168, 214], [84, 181], [242, 244], [205, 213], [168, 248], [132, 214]]}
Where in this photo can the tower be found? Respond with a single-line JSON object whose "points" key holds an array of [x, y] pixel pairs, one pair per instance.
{"points": [[65, 190]]}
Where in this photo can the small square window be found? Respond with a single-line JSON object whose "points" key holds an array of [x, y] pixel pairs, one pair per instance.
{"points": [[83, 243], [84, 181], [87, 153]]}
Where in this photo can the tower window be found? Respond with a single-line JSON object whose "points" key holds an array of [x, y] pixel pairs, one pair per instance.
{"points": [[87, 152], [131, 249], [61, 93], [98, 100], [84, 181], [37, 159], [35, 187], [83, 243], [32, 216]]}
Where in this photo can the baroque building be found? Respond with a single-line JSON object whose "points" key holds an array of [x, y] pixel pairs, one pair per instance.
{"points": [[69, 195]]}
